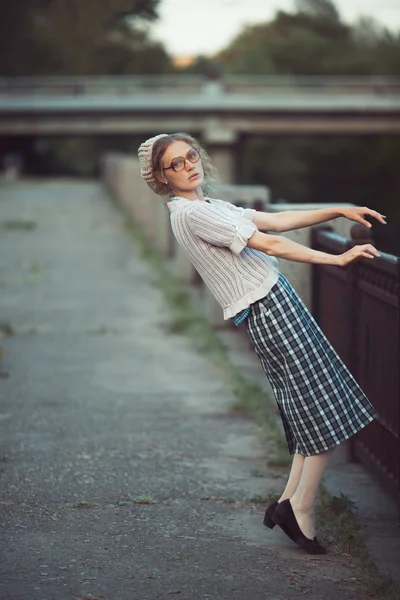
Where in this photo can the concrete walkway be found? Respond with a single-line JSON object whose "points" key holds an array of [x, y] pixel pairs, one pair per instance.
{"points": [[123, 474]]}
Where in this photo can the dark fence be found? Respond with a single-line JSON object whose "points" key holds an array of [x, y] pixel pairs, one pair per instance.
{"points": [[358, 308]]}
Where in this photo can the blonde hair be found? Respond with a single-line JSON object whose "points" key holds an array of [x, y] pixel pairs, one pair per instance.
{"points": [[160, 147]]}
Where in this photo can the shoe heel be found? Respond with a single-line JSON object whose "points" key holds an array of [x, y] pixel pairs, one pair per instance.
{"points": [[278, 516], [268, 522]]}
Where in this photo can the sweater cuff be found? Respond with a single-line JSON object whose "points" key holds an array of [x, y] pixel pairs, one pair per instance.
{"points": [[244, 231], [249, 213]]}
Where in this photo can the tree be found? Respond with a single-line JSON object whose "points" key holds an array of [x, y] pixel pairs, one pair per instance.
{"points": [[312, 41], [322, 9], [77, 38], [16, 41]]}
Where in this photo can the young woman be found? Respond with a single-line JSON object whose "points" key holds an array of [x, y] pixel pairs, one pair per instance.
{"points": [[320, 403]]}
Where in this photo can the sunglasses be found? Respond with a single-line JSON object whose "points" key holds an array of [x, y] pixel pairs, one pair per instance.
{"points": [[177, 164]]}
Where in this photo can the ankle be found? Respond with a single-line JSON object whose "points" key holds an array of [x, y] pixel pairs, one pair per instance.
{"points": [[283, 497], [301, 506]]}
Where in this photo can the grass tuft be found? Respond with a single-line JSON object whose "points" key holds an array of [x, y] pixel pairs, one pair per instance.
{"points": [[6, 329], [83, 504], [18, 225], [102, 330], [337, 517], [143, 500], [262, 499]]}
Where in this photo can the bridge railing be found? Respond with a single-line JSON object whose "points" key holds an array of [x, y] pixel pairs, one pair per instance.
{"points": [[254, 84], [358, 308]]}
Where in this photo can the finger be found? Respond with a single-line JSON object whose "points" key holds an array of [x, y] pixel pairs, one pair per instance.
{"points": [[373, 254], [364, 222], [370, 248], [370, 254], [378, 216]]}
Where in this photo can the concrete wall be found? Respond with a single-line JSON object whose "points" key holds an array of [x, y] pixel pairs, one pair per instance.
{"points": [[121, 175]]}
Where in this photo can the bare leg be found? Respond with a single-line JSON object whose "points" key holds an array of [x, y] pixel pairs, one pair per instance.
{"points": [[294, 477], [303, 500]]}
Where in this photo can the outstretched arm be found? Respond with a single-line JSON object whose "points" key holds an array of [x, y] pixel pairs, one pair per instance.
{"points": [[296, 219], [281, 247]]}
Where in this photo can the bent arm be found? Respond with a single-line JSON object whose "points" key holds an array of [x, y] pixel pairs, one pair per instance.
{"points": [[295, 219], [281, 247]]}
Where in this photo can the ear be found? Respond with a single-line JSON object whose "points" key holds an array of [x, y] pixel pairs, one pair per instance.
{"points": [[161, 178]]}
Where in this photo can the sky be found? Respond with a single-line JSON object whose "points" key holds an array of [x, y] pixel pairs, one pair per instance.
{"points": [[206, 26]]}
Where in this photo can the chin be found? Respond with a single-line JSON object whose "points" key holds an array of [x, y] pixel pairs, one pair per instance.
{"points": [[197, 183]]}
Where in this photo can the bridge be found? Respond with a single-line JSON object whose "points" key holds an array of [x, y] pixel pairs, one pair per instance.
{"points": [[219, 111]]}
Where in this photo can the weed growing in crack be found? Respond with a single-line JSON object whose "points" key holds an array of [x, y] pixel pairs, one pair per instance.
{"points": [[18, 225]]}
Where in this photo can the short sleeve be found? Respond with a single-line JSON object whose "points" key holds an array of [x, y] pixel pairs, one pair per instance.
{"points": [[226, 229], [247, 213]]}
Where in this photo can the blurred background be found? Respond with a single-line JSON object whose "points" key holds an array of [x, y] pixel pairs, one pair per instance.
{"points": [[216, 40]]}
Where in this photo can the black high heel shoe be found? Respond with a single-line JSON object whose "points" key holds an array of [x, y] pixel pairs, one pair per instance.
{"points": [[269, 522], [285, 517]]}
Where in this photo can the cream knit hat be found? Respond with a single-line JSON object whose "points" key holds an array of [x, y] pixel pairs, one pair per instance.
{"points": [[145, 153]]}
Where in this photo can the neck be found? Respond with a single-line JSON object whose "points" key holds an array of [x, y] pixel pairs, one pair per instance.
{"points": [[196, 194]]}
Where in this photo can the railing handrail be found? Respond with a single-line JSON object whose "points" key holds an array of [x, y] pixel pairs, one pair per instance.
{"points": [[333, 241], [371, 83], [351, 79]]}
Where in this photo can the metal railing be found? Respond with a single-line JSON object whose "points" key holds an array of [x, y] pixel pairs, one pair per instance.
{"points": [[229, 84], [358, 308]]}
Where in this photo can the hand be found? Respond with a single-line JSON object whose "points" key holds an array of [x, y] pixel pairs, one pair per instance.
{"points": [[356, 253], [357, 213]]}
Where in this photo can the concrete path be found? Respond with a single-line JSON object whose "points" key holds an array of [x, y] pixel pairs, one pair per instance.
{"points": [[123, 474]]}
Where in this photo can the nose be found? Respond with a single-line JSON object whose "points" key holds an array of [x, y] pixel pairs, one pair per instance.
{"points": [[188, 164]]}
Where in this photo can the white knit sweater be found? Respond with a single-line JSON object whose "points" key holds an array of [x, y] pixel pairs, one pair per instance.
{"points": [[214, 235]]}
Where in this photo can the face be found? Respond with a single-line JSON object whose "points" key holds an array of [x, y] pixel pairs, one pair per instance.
{"points": [[189, 178]]}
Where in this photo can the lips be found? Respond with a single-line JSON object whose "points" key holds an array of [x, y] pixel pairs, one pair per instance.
{"points": [[193, 176]]}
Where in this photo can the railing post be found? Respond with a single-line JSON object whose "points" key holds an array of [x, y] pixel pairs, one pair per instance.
{"points": [[359, 235], [315, 281], [398, 359], [316, 274]]}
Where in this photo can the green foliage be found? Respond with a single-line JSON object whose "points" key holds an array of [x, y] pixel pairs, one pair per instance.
{"points": [[18, 224], [143, 500], [312, 41], [6, 329], [337, 516], [56, 37], [83, 504]]}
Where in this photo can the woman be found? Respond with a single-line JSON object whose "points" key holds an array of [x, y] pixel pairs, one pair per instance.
{"points": [[320, 403]]}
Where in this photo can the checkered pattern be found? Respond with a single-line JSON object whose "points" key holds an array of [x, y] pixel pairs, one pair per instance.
{"points": [[319, 401]]}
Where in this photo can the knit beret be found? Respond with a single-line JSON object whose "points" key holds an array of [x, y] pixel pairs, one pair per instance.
{"points": [[145, 153]]}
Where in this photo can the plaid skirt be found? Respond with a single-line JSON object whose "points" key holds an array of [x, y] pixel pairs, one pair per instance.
{"points": [[319, 401]]}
